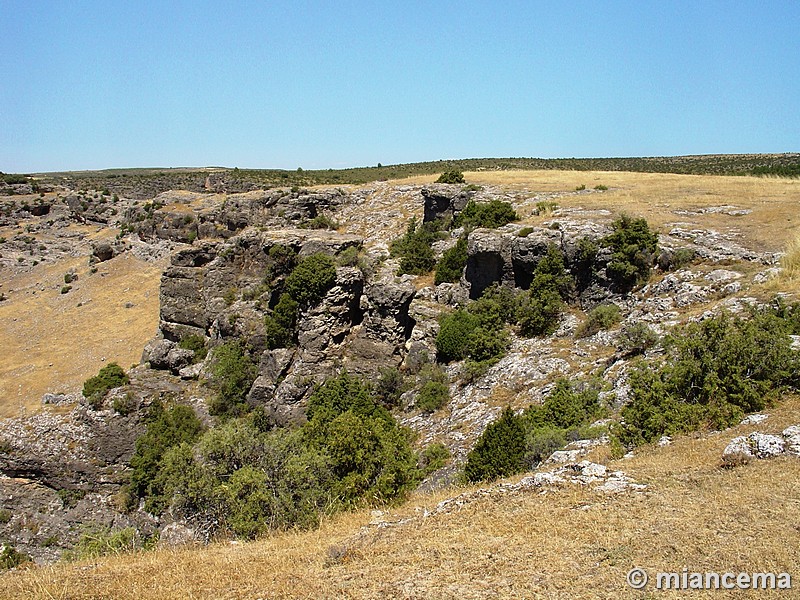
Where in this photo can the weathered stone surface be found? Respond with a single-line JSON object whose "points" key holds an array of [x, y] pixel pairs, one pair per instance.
{"points": [[742, 449], [791, 436], [488, 261], [165, 354], [443, 201], [102, 251]]}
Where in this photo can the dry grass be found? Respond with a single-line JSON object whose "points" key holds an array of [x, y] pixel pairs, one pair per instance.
{"points": [[790, 263], [571, 543], [50, 344], [771, 225]]}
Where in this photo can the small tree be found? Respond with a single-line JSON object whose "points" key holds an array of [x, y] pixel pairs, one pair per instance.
{"points": [[311, 279], [454, 176], [500, 450], [452, 263], [233, 374]]}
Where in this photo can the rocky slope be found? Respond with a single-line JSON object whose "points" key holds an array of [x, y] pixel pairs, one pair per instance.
{"points": [[64, 469]]}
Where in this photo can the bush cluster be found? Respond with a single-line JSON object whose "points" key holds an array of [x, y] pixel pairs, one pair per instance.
{"points": [[479, 332], [633, 247], [109, 377], [451, 265], [599, 318], [454, 176], [714, 372], [540, 309], [10, 557], [310, 280], [514, 442], [165, 428], [492, 214], [244, 479], [415, 248], [197, 344], [434, 392], [233, 373], [306, 285]]}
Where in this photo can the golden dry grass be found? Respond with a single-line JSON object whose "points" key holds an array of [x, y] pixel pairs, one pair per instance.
{"points": [[570, 543], [774, 201], [50, 344]]}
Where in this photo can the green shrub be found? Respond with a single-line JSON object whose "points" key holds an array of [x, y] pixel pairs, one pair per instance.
{"points": [[65, 289], [541, 442], [69, 277], [455, 334], [432, 458], [320, 222], [492, 214], [671, 260], [525, 232], [637, 338], [230, 296], [452, 263], [165, 429], [101, 541], [585, 261], [633, 247], [281, 260], [454, 176], [714, 372], [544, 207], [349, 257], [432, 396], [487, 344], [581, 187], [126, 404], [197, 344], [233, 372], [389, 387], [539, 313], [599, 318], [371, 455], [601, 187], [500, 451], [310, 280], [109, 377], [567, 407], [244, 481], [280, 324], [11, 558], [415, 248]]}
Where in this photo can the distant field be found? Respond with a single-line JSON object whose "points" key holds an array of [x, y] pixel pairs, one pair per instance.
{"points": [[150, 181]]}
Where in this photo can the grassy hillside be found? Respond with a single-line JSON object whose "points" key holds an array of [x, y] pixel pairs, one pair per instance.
{"points": [[565, 542]]}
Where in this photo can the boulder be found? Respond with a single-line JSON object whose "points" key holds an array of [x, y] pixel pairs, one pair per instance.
{"points": [[102, 251]]}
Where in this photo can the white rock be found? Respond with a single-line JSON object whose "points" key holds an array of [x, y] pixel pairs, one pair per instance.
{"points": [[664, 441], [737, 451], [594, 470], [563, 456], [792, 437], [766, 445], [754, 419]]}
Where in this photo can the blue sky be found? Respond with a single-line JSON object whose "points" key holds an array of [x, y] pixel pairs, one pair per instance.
{"points": [[88, 85]]}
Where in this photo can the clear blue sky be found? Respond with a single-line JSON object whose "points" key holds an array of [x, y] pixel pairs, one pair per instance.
{"points": [[103, 84]]}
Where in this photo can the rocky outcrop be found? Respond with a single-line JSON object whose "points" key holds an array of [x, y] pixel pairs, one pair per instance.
{"points": [[743, 449], [185, 217], [444, 202]]}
